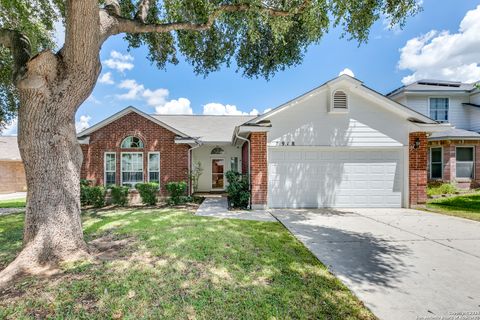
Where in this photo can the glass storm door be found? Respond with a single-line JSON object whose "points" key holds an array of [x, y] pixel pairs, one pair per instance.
{"points": [[217, 173]]}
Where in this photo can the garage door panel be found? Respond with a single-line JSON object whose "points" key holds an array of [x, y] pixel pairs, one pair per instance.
{"points": [[335, 178]]}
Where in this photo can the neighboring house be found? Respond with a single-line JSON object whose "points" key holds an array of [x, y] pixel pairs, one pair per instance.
{"points": [[454, 154], [339, 145], [12, 173]]}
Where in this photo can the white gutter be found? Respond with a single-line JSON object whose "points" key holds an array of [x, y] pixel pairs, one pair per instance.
{"points": [[198, 144]]}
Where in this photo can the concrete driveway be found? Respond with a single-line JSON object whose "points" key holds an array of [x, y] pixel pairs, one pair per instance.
{"points": [[404, 264]]}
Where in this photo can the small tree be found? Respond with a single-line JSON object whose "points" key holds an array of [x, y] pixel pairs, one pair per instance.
{"points": [[238, 190], [176, 190], [195, 175]]}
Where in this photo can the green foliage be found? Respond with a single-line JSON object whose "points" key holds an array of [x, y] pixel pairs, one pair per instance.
{"points": [[238, 190], [257, 42], [119, 195], [148, 192], [195, 175], [176, 190], [13, 203], [91, 195], [441, 188]]}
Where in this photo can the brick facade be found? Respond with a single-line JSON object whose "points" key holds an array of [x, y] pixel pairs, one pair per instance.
{"points": [[173, 157], [450, 163], [258, 164], [12, 176], [417, 159]]}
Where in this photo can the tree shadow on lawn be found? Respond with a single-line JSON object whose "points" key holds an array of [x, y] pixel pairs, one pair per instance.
{"points": [[172, 264]]}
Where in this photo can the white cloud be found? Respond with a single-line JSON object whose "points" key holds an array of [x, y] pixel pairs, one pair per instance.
{"points": [[59, 33], [267, 110], [82, 123], [157, 98], [135, 90], [214, 108], [11, 128], [180, 106], [119, 61], [348, 72], [106, 78], [444, 55]]}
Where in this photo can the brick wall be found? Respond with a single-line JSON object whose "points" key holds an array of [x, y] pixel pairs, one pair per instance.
{"points": [[417, 169], [12, 177], [449, 162], [173, 157], [258, 163]]}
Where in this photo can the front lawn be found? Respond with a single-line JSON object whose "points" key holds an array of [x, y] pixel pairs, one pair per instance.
{"points": [[13, 203], [168, 263], [464, 206]]}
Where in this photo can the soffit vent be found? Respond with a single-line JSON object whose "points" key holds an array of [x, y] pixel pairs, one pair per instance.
{"points": [[339, 100]]}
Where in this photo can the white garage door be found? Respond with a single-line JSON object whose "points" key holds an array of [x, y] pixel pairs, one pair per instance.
{"points": [[335, 177]]}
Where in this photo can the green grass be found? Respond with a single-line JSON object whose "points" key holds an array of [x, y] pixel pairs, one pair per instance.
{"points": [[13, 203], [175, 265], [464, 206], [440, 188]]}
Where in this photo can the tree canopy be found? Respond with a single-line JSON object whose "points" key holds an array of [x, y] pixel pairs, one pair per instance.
{"points": [[258, 37]]}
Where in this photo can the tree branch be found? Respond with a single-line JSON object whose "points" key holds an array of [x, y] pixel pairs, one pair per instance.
{"points": [[21, 50], [125, 25]]}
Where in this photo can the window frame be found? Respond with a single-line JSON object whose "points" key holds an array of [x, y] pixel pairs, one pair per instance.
{"points": [[472, 177], [430, 108], [332, 104], [130, 147], [105, 167], [441, 162], [121, 167], [148, 166]]}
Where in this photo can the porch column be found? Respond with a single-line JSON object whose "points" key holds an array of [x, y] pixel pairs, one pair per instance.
{"points": [[417, 157], [258, 165], [449, 162]]}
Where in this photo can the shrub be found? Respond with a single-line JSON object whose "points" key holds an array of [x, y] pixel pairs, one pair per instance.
{"points": [[176, 191], [441, 188], [238, 190], [119, 195], [91, 195], [148, 192]]}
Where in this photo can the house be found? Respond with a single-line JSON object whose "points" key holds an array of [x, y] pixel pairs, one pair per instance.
{"points": [[339, 145], [453, 154], [12, 173]]}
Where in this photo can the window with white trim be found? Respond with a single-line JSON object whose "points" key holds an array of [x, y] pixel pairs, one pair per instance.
{"points": [[110, 168], [436, 164], [340, 101], [439, 109], [465, 162], [132, 142], [154, 167], [132, 168]]}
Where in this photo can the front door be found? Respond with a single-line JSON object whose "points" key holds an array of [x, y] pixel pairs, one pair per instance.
{"points": [[217, 174]]}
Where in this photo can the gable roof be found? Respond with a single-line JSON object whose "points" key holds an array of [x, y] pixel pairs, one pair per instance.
{"points": [[430, 85], [411, 114], [123, 112], [206, 128], [9, 148]]}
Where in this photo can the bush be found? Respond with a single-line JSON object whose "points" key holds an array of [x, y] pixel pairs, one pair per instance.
{"points": [[176, 191], [148, 192], [238, 190], [441, 188], [91, 195], [119, 195]]}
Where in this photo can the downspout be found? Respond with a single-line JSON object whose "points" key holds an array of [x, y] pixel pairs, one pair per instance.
{"points": [[249, 171], [190, 156]]}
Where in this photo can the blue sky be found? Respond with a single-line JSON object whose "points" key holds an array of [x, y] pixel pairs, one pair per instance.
{"points": [[440, 42]]}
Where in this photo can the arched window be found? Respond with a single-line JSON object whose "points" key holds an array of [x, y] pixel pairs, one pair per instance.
{"points": [[340, 100], [217, 150], [132, 142]]}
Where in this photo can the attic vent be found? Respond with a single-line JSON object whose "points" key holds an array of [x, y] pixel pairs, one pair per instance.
{"points": [[340, 100], [440, 84]]}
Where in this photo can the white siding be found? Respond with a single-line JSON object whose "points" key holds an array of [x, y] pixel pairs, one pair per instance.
{"points": [[366, 124], [475, 113], [458, 115], [203, 155]]}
